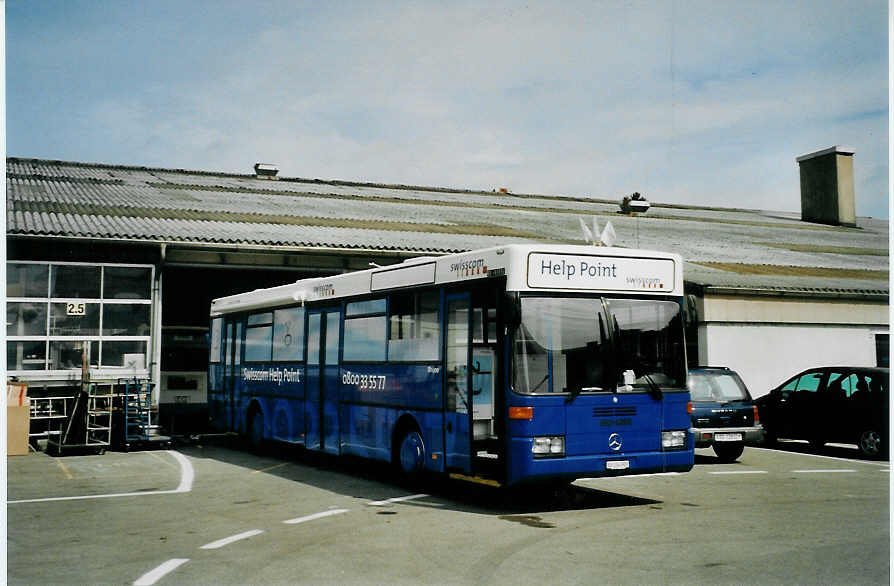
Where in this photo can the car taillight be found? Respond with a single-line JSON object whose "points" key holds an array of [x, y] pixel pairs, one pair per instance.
{"points": [[757, 418], [689, 407]]}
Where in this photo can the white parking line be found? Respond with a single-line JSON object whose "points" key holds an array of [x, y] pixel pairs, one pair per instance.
{"points": [[316, 516], [740, 472], [632, 476], [819, 471], [187, 476], [231, 539], [153, 576], [396, 500], [848, 460]]}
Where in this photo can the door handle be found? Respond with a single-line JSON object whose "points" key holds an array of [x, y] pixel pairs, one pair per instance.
{"points": [[449, 427]]}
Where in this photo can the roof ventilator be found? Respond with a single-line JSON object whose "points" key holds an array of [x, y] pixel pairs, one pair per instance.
{"points": [[266, 171], [634, 203]]}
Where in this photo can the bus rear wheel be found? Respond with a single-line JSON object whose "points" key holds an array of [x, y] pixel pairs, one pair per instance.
{"points": [[410, 454], [256, 430]]}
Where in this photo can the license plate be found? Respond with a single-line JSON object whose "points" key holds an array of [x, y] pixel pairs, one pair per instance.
{"points": [[617, 465], [727, 437]]}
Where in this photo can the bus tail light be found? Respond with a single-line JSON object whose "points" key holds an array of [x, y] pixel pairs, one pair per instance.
{"points": [[525, 413], [549, 446], [673, 440]]}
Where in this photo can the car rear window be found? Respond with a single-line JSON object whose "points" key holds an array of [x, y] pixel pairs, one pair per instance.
{"points": [[716, 387]]}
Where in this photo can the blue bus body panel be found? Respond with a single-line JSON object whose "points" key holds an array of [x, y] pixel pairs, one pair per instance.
{"points": [[597, 429], [311, 406], [374, 397], [404, 386], [331, 438]]}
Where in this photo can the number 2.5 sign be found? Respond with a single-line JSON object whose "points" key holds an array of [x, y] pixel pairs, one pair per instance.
{"points": [[75, 309]]}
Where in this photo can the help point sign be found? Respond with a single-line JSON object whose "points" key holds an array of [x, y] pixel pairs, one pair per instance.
{"points": [[613, 273]]}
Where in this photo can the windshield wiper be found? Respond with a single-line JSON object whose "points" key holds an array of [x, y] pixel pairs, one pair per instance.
{"points": [[654, 389]]}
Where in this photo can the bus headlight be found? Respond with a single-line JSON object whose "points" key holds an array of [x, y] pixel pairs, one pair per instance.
{"points": [[673, 440], [549, 446]]}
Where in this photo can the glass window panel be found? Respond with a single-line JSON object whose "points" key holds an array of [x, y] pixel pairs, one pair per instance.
{"points": [[75, 281], [127, 283], [74, 319], [129, 319], [313, 339], [258, 344], [259, 319], [237, 358], [288, 334], [26, 355], [184, 351], [415, 327], [365, 307], [332, 337], [809, 382], [130, 355], [26, 319], [27, 280], [228, 355], [66, 355], [216, 325], [365, 339]]}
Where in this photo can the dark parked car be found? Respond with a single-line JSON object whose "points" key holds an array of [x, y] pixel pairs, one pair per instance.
{"points": [[723, 415], [846, 404]]}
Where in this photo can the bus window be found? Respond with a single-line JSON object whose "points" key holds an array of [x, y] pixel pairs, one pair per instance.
{"points": [[648, 333], [415, 327], [215, 340], [365, 307], [365, 339], [288, 334], [258, 338], [562, 337]]}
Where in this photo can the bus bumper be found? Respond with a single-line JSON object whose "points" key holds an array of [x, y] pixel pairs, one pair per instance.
{"points": [[524, 468]]}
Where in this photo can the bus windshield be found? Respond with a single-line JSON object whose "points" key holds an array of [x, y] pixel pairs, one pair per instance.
{"points": [[575, 345]]}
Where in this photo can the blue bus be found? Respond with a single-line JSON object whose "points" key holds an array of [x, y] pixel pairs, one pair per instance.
{"points": [[508, 365]]}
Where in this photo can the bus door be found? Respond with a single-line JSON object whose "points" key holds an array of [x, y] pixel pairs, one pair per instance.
{"points": [[232, 361], [458, 409], [321, 404]]}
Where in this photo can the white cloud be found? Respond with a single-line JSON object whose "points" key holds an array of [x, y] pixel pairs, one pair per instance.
{"points": [[694, 102]]}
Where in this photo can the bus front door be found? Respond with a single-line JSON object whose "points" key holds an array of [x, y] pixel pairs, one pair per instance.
{"points": [[321, 404], [458, 410]]}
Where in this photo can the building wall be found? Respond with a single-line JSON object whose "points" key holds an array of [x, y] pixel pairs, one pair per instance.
{"points": [[768, 339]]}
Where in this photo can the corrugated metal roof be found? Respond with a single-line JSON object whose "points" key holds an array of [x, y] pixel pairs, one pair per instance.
{"points": [[89, 200]]}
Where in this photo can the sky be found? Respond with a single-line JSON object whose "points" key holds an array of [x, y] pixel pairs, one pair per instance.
{"points": [[687, 102]]}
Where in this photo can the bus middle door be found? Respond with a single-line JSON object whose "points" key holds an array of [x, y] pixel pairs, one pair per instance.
{"points": [[322, 399], [458, 409], [232, 391]]}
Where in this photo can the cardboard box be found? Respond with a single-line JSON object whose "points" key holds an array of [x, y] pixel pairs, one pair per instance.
{"points": [[17, 394], [18, 422]]}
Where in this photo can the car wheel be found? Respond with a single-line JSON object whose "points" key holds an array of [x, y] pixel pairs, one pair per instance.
{"points": [[728, 452], [871, 444]]}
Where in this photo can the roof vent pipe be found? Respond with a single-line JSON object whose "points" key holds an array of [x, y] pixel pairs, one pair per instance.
{"points": [[827, 186], [266, 171]]}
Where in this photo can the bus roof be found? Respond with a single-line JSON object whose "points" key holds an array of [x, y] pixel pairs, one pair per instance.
{"points": [[527, 267]]}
